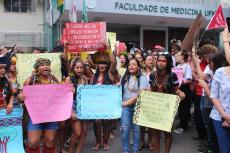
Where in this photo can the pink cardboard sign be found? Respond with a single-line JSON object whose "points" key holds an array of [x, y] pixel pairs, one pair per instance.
{"points": [[48, 103], [180, 73]]}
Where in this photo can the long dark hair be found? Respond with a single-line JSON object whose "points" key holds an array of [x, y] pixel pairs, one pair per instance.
{"points": [[169, 64], [185, 55], [106, 77], [5, 85], [127, 74], [218, 59], [75, 78], [126, 59]]}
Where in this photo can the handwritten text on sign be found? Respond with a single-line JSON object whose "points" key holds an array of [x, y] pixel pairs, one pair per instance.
{"points": [[25, 64], [85, 36], [99, 102], [156, 110], [49, 103]]}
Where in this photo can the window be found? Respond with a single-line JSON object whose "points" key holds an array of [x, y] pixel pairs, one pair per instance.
{"points": [[22, 6]]}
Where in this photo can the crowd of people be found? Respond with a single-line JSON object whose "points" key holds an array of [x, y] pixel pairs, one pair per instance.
{"points": [[205, 83]]}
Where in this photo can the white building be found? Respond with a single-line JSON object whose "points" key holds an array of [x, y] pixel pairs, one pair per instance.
{"points": [[144, 22], [21, 21], [149, 22]]}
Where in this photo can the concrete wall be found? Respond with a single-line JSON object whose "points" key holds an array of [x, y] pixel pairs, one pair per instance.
{"points": [[23, 28]]}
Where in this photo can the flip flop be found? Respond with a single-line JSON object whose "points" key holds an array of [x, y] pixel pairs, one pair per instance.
{"points": [[96, 147], [106, 147]]}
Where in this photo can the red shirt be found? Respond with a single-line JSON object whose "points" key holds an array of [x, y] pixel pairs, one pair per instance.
{"points": [[203, 64]]}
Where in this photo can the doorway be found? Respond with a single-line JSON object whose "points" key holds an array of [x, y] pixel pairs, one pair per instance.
{"points": [[151, 37]]}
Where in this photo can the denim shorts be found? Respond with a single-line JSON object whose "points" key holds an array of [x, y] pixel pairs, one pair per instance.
{"points": [[42, 126]]}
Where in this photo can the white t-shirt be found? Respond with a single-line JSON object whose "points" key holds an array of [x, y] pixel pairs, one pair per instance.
{"points": [[187, 71], [208, 77]]}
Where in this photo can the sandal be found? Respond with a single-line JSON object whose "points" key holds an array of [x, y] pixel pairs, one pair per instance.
{"points": [[106, 147], [96, 147]]}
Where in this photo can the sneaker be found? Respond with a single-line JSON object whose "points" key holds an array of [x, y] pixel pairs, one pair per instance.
{"points": [[179, 131]]}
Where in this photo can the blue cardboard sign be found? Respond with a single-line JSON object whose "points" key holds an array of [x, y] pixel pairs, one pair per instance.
{"points": [[11, 140], [99, 102]]}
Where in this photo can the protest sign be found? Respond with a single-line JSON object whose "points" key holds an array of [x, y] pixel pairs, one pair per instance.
{"points": [[121, 71], [11, 140], [121, 47], [25, 64], [156, 110], [99, 102], [48, 103], [112, 38], [84, 37], [180, 74]]}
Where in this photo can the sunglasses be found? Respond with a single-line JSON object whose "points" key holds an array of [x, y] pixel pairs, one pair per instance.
{"points": [[163, 53]]}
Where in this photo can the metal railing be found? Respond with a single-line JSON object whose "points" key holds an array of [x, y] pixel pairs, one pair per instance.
{"points": [[25, 39]]}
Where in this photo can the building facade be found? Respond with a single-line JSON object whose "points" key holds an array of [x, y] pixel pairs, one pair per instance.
{"points": [[142, 22], [150, 22], [22, 21]]}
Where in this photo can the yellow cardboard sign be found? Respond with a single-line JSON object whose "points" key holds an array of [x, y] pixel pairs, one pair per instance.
{"points": [[25, 63], [121, 71], [156, 110], [112, 37]]}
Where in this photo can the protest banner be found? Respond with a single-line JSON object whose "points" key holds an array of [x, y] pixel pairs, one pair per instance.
{"points": [[48, 103], [25, 63], [99, 102], [84, 37], [11, 140], [156, 110], [179, 73]]}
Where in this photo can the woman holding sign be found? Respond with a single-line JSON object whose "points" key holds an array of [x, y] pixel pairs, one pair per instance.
{"points": [[132, 82], [35, 131], [105, 75], [163, 80], [79, 127]]}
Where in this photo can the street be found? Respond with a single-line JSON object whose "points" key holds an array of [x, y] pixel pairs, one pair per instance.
{"points": [[181, 143]]}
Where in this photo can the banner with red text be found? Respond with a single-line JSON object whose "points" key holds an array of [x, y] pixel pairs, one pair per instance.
{"points": [[82, 37]]}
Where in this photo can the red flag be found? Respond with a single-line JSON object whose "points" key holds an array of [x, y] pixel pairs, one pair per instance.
{"points": [[218, 20]]}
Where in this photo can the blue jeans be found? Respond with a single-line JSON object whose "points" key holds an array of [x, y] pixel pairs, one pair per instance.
{"points": [[126, 126], [223, 136], [205, 114]]}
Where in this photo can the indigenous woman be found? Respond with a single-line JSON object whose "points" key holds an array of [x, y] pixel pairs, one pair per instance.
{"points": [[42, 75], [164, 81], [79, 127], [105, 75], [11, 75], [132, 83], [6, 92]]}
